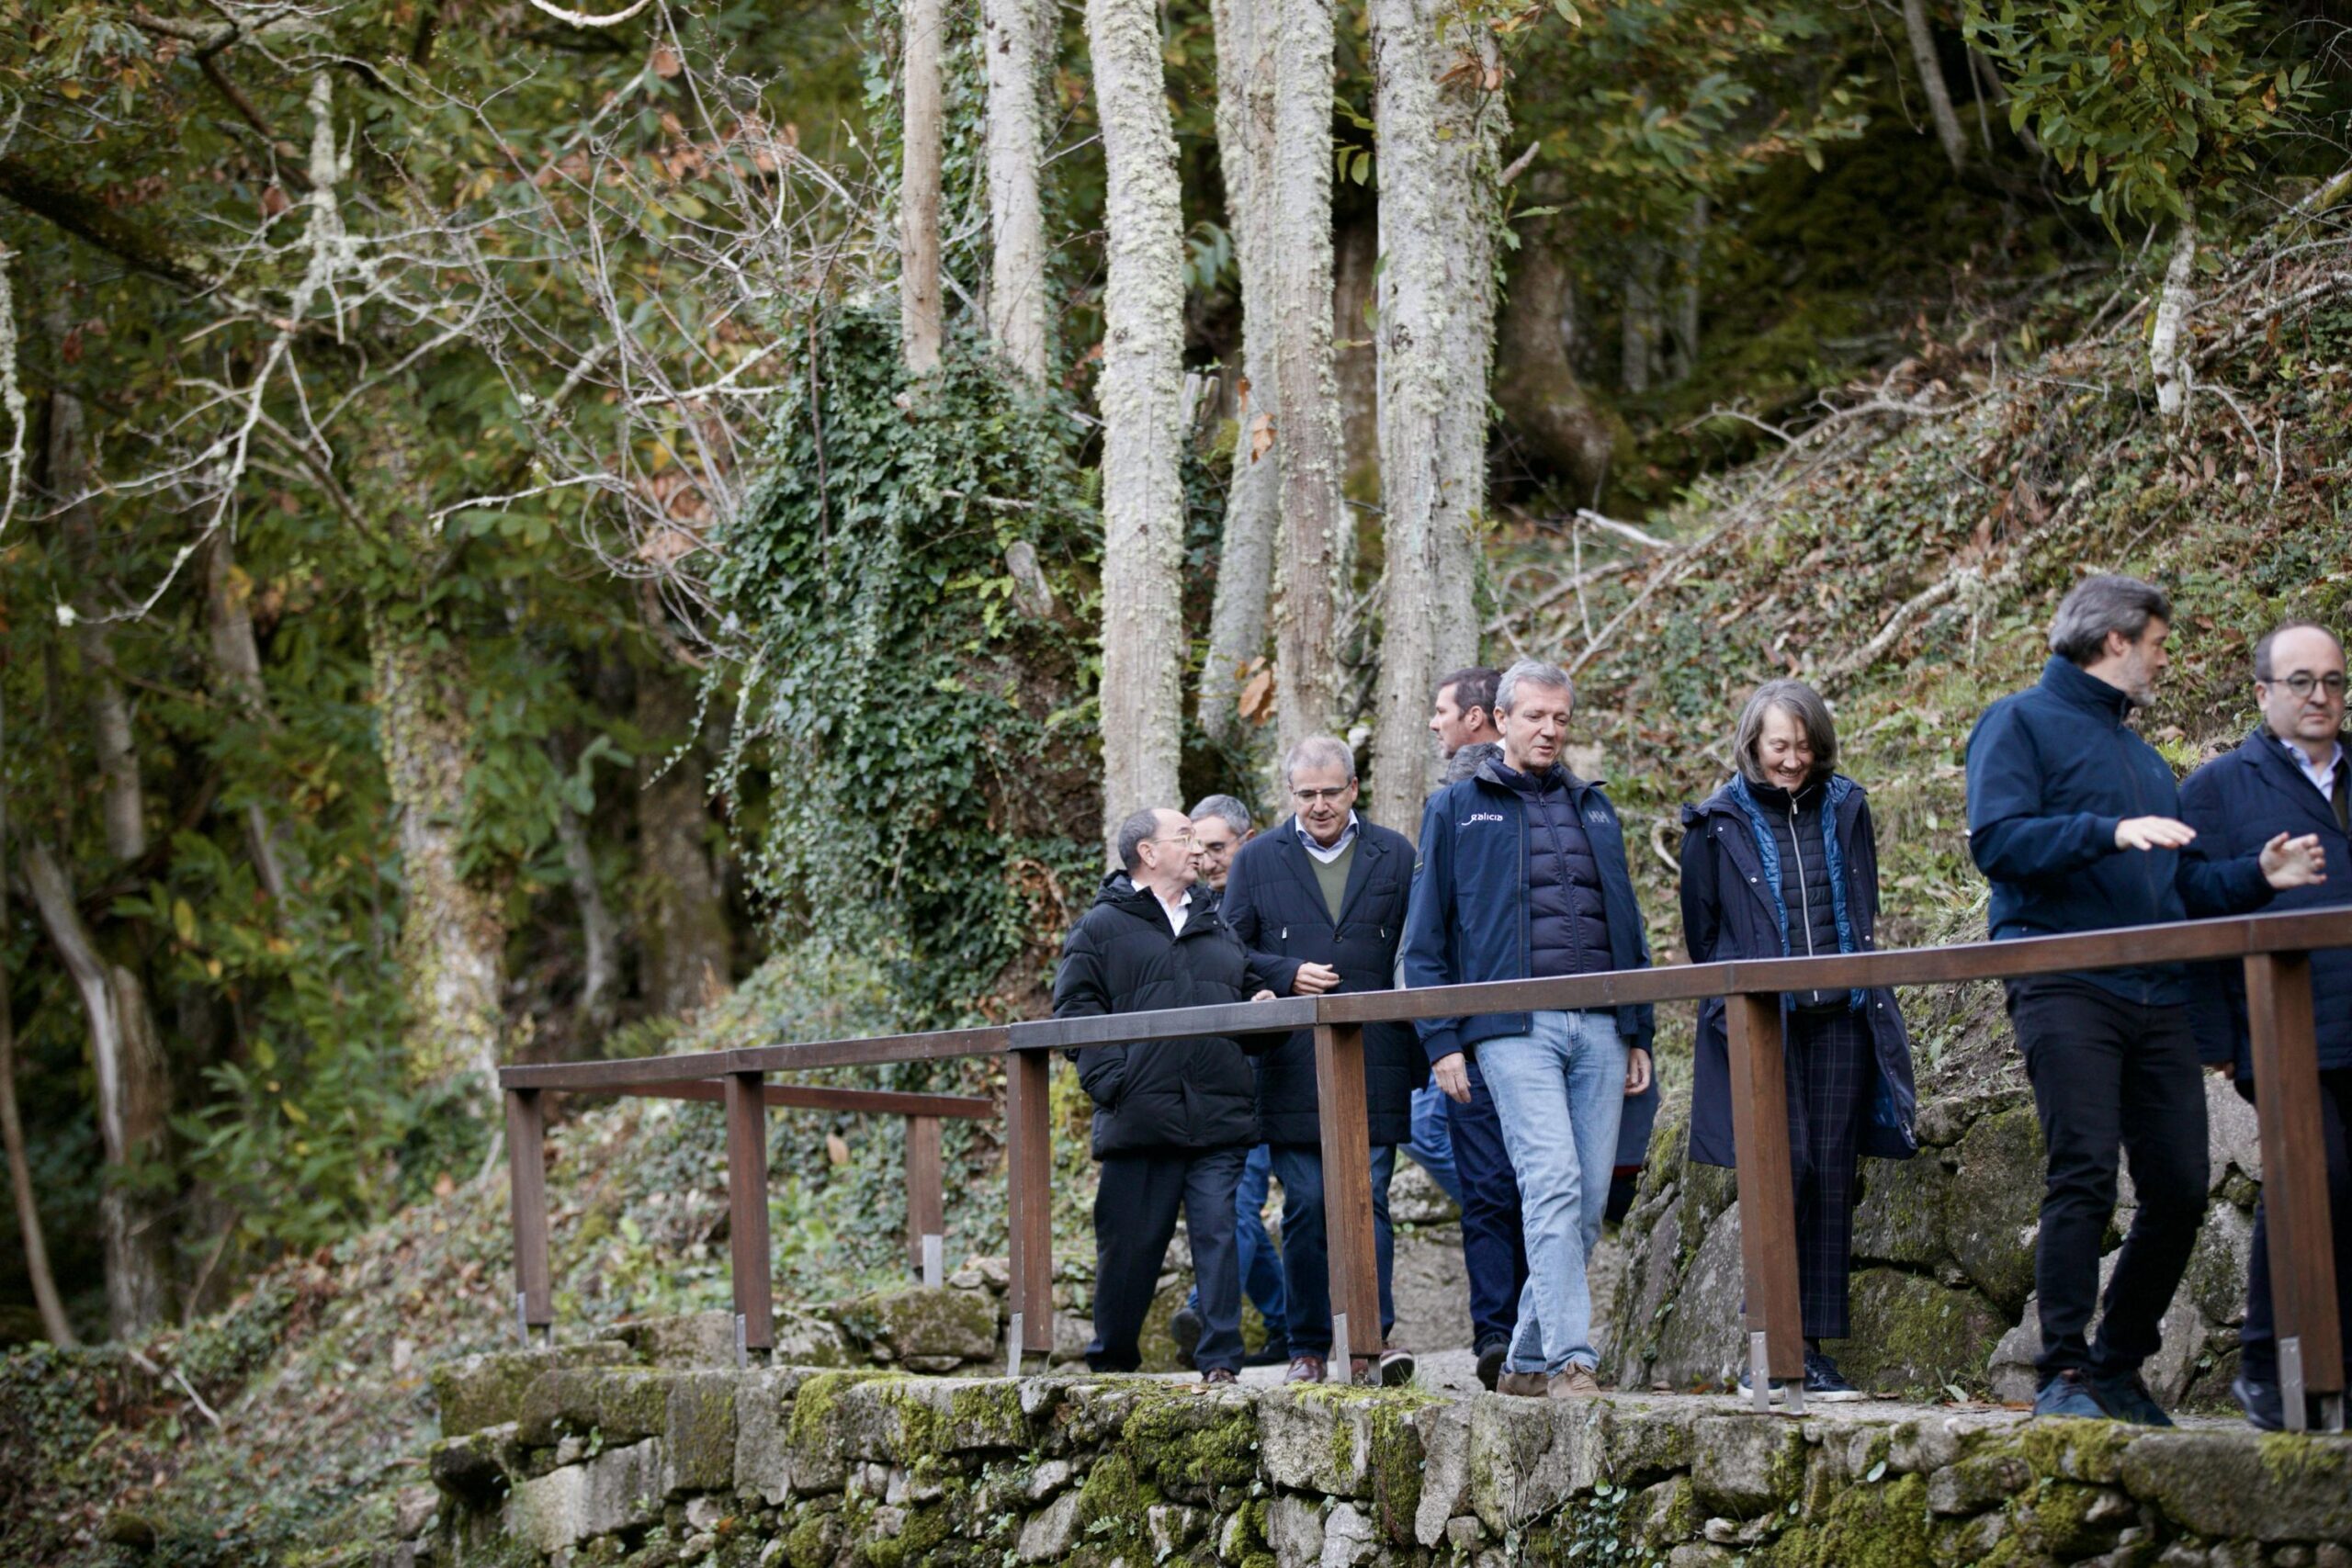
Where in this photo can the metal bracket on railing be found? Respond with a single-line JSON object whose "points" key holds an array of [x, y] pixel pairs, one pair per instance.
{"points": [[1343, 1367], [1013, 1349], [1759, 1373], [934, 1260], [523, 1317], [1795, 1391], [2290, 1382], [742, 1342]]}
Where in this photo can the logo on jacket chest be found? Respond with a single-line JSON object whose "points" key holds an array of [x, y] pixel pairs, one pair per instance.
{"points": [[1481, 817]]}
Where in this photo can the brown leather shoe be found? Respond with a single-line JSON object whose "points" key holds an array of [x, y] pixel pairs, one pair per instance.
{"points": [[1577, 1382], [1526, 1386], [1218, 1377], [1304, 1369]]}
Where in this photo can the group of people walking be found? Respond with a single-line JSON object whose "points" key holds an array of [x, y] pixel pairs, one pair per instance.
{"points": [[1533, 1120]]}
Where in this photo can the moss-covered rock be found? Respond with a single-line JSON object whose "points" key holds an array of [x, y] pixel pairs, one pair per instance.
{"points": [[924, 1320], [1911, 1333], [1190, 1445], [1994, 1204], [698, 1432], [2281, 1487], [474, 1391], [1901, 1218], [1872, 1525]]}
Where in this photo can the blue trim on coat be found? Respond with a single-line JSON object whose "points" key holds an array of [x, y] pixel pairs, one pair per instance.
{"points": [[1768, 849]]}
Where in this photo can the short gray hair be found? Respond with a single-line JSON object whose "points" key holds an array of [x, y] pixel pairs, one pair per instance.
{"points": [[2263, 670], [1143, 824], [1800, 703], [1530, 672], [1226, 809], [2108, 602], [1320, 751]]}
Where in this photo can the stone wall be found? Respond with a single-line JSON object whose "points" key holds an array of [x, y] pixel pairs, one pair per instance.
{"points": [[589, 1454], [1943, 1259]]}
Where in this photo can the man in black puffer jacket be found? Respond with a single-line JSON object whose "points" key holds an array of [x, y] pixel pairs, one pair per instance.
{"points": [[1321, 899], [1173, 1119]]}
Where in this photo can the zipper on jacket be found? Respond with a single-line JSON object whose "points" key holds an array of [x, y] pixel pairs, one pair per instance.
{"points": [[1804, 893]]}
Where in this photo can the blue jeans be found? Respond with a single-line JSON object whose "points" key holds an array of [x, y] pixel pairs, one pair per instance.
{"points": [[1306, 1255], [1560, 1091], [1494, 1247], [1432, 1144], [1261, 1266]]}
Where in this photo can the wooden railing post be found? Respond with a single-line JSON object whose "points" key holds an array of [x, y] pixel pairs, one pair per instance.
{"points": [[1347, 1195], [926, 1202], [2294, 1186], [1768, 1230], [1029, 1175], [748, 1256], [526, 1179]]}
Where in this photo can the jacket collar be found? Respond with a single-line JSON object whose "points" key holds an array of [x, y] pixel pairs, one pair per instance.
{"points": [[1292, 839], [2271, 763], [1495, 773], [2071, 683]]}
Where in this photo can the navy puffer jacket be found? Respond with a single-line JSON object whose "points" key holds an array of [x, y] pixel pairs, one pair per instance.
{"points": [[1567, 921], [1809, 907]]}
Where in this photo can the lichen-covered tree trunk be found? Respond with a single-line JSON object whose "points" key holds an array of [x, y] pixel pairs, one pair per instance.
{"points": [[1932, 86], [53, 1321], [237, 659], [921, 42], [122, 805], [1438, 143], [600, 936], [1554, 419], [1141, 394], [2168, 354], [1307, 442], [1017, 42], [452, 945], [689, 950], [1245, 573]]}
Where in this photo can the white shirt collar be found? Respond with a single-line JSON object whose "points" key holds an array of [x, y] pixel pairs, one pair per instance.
{"points": [[1326, 854], [1177, 912], [2323, 775]]}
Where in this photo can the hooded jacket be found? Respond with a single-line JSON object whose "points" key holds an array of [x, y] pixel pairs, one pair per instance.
{"points": [[1276, 906], [2052, 771], [1194, 1093], [1733, 907]]}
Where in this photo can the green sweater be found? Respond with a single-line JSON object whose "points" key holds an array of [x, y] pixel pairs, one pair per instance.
{"points": [[1333, 877]]}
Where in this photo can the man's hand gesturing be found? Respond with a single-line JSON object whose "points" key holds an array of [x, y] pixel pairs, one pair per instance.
{"points": [[2294, 862], [2153, 833]]}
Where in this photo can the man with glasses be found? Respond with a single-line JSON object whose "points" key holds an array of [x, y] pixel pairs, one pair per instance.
{"points": [[2291, 776], [1173, 1119], [1320, 902], [1220, 826]]}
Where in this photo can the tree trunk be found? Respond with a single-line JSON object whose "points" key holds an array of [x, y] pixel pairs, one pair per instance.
{"points": [[237, 658], [689, 950], [53, 1321], [1932, 84], [1017, 41], [1438, 143], [919, 188], [600, 938], [133, 1099], [1554, 417], [1245, 574], [1306, 443], [1639, 328], [2168, 353], [452, 946], [1141, 395], [122, 801], [1687, 296]]}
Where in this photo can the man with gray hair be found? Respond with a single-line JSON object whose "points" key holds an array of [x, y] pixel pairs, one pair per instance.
{"points": [[2075, 822], [1220, 826], [1320, 902], [1523, 875]]}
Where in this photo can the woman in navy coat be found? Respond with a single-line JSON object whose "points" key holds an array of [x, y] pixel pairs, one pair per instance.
{"points": [[1780, 861]]}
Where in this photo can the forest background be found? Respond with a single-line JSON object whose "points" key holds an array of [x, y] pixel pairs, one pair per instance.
{"points": [[530, 535]]}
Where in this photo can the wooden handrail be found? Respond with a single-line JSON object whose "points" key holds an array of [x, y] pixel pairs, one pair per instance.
{"points": [[2274, 949]]}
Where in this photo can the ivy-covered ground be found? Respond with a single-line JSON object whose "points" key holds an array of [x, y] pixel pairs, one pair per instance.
{"points": [[1945, 526]]}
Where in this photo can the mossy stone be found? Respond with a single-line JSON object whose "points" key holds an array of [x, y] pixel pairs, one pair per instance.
{"points": [[924, 1320], [474, 1391], [1867, 1527], [1912, 1333], [1995, 1202]]}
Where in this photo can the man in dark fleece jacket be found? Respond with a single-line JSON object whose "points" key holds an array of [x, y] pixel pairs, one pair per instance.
{"points": [[2075, 820], [1173, 1119]]}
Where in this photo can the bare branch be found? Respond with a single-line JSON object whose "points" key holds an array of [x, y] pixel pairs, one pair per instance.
{"points": [[582, 19]]}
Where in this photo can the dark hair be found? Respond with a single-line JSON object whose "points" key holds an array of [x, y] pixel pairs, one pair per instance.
{"points": [[1803, 703], [2101, 604], [2263, 669], [1132, 832], [1472, 688]]}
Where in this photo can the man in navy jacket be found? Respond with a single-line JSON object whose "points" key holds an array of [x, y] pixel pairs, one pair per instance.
{"points": [[2292, 775], [2075, 822], [1523, 875]]}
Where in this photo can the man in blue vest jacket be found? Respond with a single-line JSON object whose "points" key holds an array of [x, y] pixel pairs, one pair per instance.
{"points": [[2075, 820], [2292, 775], [1523, 875]]}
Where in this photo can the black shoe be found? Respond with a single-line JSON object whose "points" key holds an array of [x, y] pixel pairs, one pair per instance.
{"points": [[2068, 1392], [1184, 1328], [1275, 1354], [1492, 1357], [1823, 1381], [2265, 1404], [2126, 1397]]}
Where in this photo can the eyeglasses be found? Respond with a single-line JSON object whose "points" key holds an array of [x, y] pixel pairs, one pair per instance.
{"points": [[1309, 796], [1179, 839], [2301, 684]]}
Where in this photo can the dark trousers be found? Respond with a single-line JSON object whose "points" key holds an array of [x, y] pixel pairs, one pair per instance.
{"points": [[1832, 1068], [1494, 1244], [1135, 1218], [2110, 1072], [2259, 1355], [1306, 1249]]}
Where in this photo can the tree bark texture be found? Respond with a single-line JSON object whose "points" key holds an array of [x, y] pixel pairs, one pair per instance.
{"points": [[134, 1090], [600, 935], [1245, 574], [236, 658], [1557, 423], [53, 1321], [1141, 394], [1932, 85], [1017, 41], [920, 44], [2168, 353], [121, 802], [1639, 327], [1438, 144], [1307, 442], [689, 952]]}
